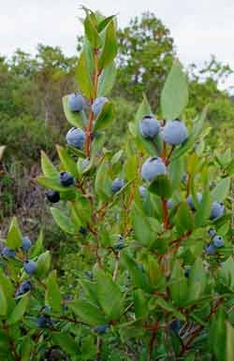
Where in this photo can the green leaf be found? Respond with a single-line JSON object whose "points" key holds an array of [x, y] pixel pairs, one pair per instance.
{"points": [[88, 348], [226, 273], [3, 302], [102, 183], [47, 166], [90, 290], [67, 162], [230, 168], [176, 171], [140, 303], [169, 308], [141, 226], [63, 221], [88, 312], [139, 276], [221, 190], [6, 284], [106, 117], [38, 246], [78, 119], [19, 311], [116, 157], [43, 264], [110, 47], [82, 208], [107, 80], [189, 142], [230, 342], [55, 185], [103, 24], [178, 285], [106, 287], [66, 342], [218, 337], [161, 186], [14, 236], [83, 78], [25, 348], [174, 96], [203, 210], [53, 296], [197, 281], [91, 31]]}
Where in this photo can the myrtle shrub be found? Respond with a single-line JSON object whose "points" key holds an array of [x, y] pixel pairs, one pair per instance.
{"points": [[153, 275]]}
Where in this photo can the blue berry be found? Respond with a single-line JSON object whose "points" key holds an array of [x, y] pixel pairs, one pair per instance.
{"points": [[76, 137], [143, 192], [175, 326], [98, 105], [217, 210], [174, 132], [191, 203], [120, 245], [52, 196], [75, 102], [85, 163], [152, 168], [44, 321], [187, 272], [218, 241], [10, 253], [212, 232], [66, 179], [30, 267], [210, 249], [89, 275], [170, 204], [26, 243], [24, 287], [149, 127], [117, 184], [101, 328], [83, 230], [184, 178]]}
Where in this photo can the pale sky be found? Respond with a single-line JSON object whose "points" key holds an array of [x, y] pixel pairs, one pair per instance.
{"points": [[199, 27]]}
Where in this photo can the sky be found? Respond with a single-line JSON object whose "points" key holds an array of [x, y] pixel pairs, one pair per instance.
{"points": [[199, 27]]}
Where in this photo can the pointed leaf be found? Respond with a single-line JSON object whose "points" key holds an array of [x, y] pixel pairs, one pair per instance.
{"points": [[83, 78], [19, 311], [174, 97], [110, 47], [107, 80], [47, 166], [52, 295], [221, 190], [106, 117], [63, 221], [88, 312], [14, 236], [106, 287]]}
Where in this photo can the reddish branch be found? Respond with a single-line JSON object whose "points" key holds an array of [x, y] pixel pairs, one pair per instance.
{"points": [[165, 214]]}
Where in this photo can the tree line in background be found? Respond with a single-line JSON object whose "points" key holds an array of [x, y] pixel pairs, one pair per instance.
{"points": [[32, 118]]}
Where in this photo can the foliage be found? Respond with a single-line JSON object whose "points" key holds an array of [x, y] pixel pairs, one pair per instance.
{"points": [[146, 285], [145, 57]]}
